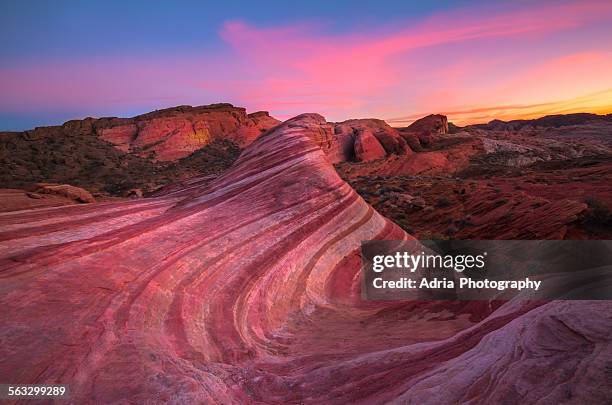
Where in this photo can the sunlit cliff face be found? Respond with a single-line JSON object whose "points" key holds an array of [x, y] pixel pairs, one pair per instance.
{"points": [[471, 63]]}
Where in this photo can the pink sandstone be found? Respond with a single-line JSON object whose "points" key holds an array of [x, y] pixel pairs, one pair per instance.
{"points": [[367, 147], [246, 289]]}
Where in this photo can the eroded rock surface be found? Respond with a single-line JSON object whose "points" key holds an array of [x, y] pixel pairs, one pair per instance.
{"points": [[16, 200], [176, 132], [367, 147], [246, 289], [363, 140], [426, 130], [75, 154], [66, 190]]}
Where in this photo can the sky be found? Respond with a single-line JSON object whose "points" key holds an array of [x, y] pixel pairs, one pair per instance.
{"points": [[395, 60]]}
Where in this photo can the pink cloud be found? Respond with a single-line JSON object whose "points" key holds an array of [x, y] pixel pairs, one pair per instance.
{"points": [[464, 60], [598, 102], [302, 64]]}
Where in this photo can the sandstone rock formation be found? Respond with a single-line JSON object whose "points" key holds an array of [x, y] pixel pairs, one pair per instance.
{"points": [[487, 151], [367, 147], [17, 200], [542, 183], [433, 123], [65, 190], [246, 289], [363, 140], [425, 130], [43, 196], [176, 132], [168, 134], [435, 159], [76, 153]]}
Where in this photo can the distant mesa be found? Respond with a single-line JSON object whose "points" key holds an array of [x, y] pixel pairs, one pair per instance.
{"points": [[548, 121], [115, 155], [173, 133]]}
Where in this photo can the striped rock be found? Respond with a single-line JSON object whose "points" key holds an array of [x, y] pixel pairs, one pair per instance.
{"points": [[247, 290]]}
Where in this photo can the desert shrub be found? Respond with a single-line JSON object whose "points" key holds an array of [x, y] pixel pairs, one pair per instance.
{"points": [[598, 211], [443, 202], [429, 235], [465, 221], [451, 230]]}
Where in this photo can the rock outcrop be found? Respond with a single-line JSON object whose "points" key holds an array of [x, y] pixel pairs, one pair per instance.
{"points": [[433, 123], [114, 155], [362, 140], [548, 121], [425, 131], [65, 190], [367, 147], [168, 134], [176, 132], [17, 200], [246, 289], [43, 196], [497, 184]]}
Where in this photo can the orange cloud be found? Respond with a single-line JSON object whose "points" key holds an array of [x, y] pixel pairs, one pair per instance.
{"points": [[360, 73], [598, 103], [527, 58]]}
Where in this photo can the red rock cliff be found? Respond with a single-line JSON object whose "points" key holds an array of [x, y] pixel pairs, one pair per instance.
{"points": [[176, 132], [172, 133]]}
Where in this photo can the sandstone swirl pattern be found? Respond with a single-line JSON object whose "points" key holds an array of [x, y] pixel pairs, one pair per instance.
{"points": [[246, 290]]}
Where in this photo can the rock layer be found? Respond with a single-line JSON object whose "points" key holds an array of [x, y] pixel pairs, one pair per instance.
{"points": [[168, 134], [76, 154], [246, 289], [176, 132]]}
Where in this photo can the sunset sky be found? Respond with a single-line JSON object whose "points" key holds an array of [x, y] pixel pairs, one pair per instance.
{"points": [[396, 60]]}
